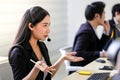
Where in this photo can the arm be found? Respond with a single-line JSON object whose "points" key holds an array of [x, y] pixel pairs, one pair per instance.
{"points": [[69, 56], [19, 64], [85, 44], [32, 74], [106, 26], [39, 65], [105, 37]]}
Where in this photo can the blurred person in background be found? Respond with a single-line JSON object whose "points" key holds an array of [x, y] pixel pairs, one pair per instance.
{"points": [[86, 42], [115, 21], [114, 24]]}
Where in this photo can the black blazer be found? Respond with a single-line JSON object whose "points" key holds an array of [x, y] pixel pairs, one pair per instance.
{"points": [[114, 33], [87, 44], [113, 28], [20, 60]]}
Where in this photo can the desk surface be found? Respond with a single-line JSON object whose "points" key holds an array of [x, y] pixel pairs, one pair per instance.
{"points": [[93, 67]]}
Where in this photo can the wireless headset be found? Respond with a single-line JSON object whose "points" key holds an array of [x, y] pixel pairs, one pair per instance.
{"points": [[48, 39]]}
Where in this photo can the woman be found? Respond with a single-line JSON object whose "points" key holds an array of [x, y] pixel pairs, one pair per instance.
{"points": [[28, 45]]}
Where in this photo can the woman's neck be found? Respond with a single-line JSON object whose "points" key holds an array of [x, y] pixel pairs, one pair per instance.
{"points": [[32, 41]]}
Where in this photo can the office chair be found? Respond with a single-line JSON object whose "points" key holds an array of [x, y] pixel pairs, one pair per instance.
{"points": [[113, 51], [63, 51], [114, 56]]}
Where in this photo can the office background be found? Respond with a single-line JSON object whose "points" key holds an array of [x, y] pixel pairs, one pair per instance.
{"points": [[66, 17]]}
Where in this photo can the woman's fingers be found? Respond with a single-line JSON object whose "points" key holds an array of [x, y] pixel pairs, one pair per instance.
{"points": [[70, 56], [43, 67], [72, 53], [52, 68], [76, 59]]}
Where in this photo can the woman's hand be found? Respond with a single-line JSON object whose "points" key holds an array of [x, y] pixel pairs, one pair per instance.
{"points": [[52, 69], [41, 66], [71, 56]]}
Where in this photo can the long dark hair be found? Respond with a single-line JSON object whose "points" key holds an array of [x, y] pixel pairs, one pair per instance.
{"points": [[33, 15]]}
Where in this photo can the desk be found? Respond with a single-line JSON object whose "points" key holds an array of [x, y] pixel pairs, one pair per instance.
{"points": [[93, 67]]}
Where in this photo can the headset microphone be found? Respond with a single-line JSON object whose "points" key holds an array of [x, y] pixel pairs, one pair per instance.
{"points": [[48, 39]]}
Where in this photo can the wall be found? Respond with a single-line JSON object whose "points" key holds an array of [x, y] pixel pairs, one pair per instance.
{"points": [[11, 13]]}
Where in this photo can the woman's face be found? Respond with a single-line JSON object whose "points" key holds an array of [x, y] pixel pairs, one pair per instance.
{"points": [[42, 29]]}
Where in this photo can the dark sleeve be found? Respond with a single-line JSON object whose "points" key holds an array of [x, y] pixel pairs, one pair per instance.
{"points": [[85, 47], [18, 64], [107, 44], [83, 42], [88, 55], [104, 41]]}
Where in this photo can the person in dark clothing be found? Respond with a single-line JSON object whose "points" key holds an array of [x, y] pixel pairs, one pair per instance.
{"points": [[86, 42], [114, 24], [115, 21], [28, 57]]}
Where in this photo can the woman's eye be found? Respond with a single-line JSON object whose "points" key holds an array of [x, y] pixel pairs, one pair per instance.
{"points": [[46, 25]]}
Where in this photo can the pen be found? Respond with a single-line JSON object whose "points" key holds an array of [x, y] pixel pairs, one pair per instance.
{"points": [[35, 62]]}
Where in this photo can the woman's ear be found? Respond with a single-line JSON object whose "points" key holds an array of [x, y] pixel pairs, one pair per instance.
{"points": [[30, 26]]}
